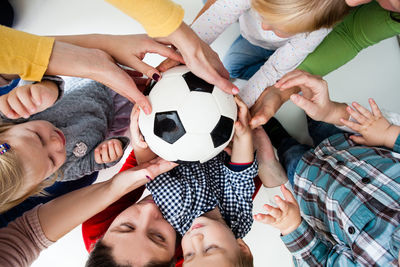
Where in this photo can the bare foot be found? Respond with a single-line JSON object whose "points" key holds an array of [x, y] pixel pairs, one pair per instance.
{"points": [[270, 170]]}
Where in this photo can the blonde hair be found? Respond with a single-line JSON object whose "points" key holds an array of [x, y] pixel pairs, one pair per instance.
{"points": [[297, 16], [11, 177]]}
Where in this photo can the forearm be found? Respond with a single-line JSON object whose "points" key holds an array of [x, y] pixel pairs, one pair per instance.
{"points": [[64, 213], [242, 149], [335, 112], [204, 9]]}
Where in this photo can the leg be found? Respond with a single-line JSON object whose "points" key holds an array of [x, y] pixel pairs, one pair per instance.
{"points": [[270, 170], [289, 150], [243, 59], [319, 130]]}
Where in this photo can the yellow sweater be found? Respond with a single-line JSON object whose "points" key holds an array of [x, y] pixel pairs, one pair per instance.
{"points": [[28, 55], [24, 54]]}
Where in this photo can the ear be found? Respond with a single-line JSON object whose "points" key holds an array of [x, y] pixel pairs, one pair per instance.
{"points": [[244, 247]]}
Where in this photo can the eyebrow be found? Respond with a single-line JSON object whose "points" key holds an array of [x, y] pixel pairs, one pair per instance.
{"points": [[217, 250]]}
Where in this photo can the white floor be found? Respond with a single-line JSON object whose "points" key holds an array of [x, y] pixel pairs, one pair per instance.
{"points": [[373, 73]]}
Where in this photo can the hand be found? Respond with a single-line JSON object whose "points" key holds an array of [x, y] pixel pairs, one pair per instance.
{"points": [[286, 217], [200, 58], [137, 140], [375, 129], [130, 50], [265, 107], [315, 100], [108, 151], [167, 64], [242, 124], [26, 100]]}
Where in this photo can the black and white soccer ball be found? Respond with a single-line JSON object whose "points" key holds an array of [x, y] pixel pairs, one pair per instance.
{"points": [[191, 120]]}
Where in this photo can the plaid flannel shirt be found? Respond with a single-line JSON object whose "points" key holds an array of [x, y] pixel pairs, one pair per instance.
{"points": [[190, 190], [349, 200]]}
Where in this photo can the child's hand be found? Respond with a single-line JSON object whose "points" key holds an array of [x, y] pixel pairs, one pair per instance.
{"points": [[29, 99], [108, 151], [286, 217], [137, 140], [375, 129], [242, 124]]}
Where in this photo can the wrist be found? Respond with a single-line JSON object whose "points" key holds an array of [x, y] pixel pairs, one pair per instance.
{"points": [[391, 135], [292, 228], [335, 112]]}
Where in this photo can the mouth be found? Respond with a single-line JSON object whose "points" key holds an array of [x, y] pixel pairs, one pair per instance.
{"points": [[61, 135], [197, 226]]}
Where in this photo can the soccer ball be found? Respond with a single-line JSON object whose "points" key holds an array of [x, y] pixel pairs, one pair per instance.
{"points": [[191, 120]]}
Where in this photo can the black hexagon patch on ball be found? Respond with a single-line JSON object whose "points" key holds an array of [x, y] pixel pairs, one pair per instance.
{"points": [[222, 131], [197, 84], [168, 126]]}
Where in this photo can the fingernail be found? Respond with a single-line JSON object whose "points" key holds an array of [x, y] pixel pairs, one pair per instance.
{"points": [[156, 77], [148, 178], [235, 91], [146, 110]]}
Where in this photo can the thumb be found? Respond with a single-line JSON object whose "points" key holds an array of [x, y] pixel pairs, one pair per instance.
{"points": [[303, 103], [358, 139]]}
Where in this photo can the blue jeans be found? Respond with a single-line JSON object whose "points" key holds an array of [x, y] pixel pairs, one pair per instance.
{"points": [[290, 151], [243, 59]]}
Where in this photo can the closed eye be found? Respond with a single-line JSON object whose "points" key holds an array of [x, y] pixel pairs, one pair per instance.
{"points": [[210, 248], [53, 162], [158, 239]]}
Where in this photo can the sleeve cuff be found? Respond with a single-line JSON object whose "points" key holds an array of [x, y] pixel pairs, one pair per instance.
{"points": [[301, 239], [237, 167], [396, 147]]}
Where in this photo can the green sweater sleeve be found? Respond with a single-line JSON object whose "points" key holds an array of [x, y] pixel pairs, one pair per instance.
{"points": [[364, 26]]}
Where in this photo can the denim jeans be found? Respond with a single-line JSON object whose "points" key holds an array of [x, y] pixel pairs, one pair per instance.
{"points": [[244, 59], [290, 151]]}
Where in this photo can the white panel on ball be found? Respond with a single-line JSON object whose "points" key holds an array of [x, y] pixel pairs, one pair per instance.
{"points": [[198, 109], [168, 94], [226, 103], [193, 147]]}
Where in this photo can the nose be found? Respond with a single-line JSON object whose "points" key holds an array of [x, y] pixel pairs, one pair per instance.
{"points": [[149, 212], [56, 144], [197, 241]]}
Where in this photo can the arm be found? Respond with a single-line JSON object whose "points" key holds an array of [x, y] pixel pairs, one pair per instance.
{"points": [[242, 148], [210, 24], [365, 26], [61, 215], [285, 59], [24, 54]]}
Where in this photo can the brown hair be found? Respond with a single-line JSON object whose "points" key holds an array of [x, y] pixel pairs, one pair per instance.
{"points": [[297, 16], [244, 259], [11, 177], [101, 257]]}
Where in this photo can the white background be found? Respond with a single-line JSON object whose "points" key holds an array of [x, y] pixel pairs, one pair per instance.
{"points": [[373, 73]]}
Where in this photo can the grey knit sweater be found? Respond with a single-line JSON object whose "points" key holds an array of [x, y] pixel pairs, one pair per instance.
{"points": [[84, 114]]}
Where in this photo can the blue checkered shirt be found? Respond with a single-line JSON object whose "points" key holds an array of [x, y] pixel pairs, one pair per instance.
{"points": [[349, 199], [188, 191]]}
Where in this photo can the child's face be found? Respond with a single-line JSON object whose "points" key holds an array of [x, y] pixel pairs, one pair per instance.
{"points": [[392, 5], [209, 243], [280, 32], [41, 149], [140, 234]]}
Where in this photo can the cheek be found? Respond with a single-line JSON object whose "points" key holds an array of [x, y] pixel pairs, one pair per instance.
{"points": [[357, 2]]}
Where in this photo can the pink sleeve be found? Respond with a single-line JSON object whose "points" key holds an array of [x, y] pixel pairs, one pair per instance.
{"points": [[22, 240]]}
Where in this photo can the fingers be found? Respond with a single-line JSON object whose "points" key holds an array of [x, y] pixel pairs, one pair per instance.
{"points": [[352, 125], [137, 137], [167, 64], [158, 166], [283, 205], [6, 109], [309, 107], [243, 111], [142, 67], [374, 107], [108, 151], [16, 105], [274, 212], [221, 82], [355, 114], [264, 218], [166, 51], [363, 111]]}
